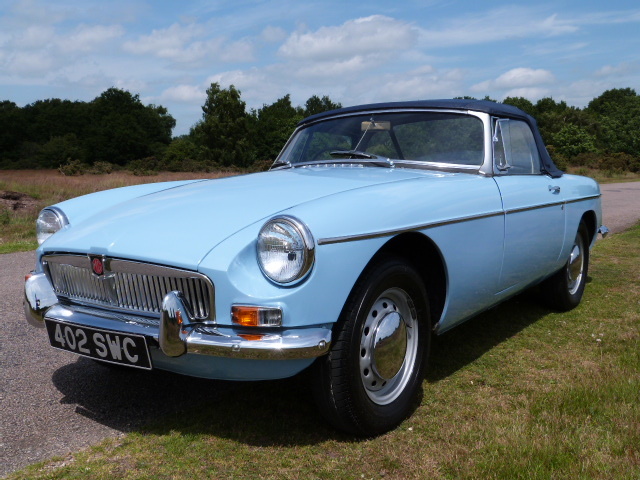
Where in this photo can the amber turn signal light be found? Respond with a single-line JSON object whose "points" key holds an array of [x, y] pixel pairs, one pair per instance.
{"points": [[252, 316]]}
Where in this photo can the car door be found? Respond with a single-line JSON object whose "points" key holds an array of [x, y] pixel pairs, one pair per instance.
{"points": [[533, 206]]}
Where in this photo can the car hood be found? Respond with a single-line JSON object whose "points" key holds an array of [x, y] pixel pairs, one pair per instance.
{"points": [[180, 225]]}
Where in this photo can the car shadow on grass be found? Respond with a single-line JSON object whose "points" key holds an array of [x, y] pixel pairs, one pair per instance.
{"points": [[266, 413], [469, 341], [278, 412]]}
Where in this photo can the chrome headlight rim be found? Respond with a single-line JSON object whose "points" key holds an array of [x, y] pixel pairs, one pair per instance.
{"points": [[308, 249], [60, 218]]}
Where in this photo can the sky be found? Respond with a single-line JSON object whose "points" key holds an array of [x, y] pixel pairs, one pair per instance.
{"points": [[169, 52]]}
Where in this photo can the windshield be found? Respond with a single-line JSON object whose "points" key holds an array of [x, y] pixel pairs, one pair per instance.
{"points": [[434, 137]]}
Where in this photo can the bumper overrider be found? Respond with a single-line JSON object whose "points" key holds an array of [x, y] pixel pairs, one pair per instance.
{"points": [[178, 334]]}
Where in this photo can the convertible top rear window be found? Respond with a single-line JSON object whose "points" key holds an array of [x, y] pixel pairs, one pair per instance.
{"points": [[433, 137]]}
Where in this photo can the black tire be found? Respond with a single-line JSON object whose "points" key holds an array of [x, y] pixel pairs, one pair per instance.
{"points": [[369, 381], [563, 291]]}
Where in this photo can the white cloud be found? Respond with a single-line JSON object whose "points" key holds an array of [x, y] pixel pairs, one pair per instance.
{"points": [[184, 94], [524, 77], [29, 63], [516, 78], [339, 68], [273, 34], [189, 44], [622, 69], [422, 83], [166, 42], [34, 37], [495, 25], [86, 38], [359, 37]]}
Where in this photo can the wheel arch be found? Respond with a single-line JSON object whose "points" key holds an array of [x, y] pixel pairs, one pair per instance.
{"points": [[423, 254], [589, 219]]}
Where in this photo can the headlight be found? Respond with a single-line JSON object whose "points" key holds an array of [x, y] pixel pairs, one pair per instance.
{"points": [[286, 249], [49, 221]]}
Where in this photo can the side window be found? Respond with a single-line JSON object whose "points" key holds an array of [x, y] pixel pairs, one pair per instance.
{"points": [[514, 149]]}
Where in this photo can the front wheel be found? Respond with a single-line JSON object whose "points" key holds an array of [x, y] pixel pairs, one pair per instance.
{"points": [[563, 291], [369, 381]]}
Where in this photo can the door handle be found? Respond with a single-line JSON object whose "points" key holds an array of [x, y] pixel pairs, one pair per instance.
{"points": [[554, 189]]}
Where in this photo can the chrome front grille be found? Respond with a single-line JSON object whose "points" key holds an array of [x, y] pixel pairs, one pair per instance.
{"points": [[127, 286]]}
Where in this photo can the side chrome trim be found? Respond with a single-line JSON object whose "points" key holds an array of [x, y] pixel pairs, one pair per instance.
{"points": [[389, 233], [534, 207], [583, 199]]}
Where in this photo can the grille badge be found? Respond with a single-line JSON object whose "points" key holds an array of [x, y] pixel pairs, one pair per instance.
{"points": [[97, 266]]}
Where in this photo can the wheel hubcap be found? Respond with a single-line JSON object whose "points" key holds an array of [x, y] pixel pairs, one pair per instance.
{"points": [[575, 266], [388, 346]]}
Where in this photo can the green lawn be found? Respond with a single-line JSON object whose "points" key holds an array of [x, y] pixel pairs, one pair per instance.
{"points": [[519, 392]]}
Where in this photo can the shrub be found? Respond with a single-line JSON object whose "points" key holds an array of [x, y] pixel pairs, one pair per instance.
{"points": [[5, 217], [101, 168], [73, 167], [144, 166], [615, 162]]}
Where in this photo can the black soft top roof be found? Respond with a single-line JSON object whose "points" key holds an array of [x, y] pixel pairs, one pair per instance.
{"points": [[492, 108]]}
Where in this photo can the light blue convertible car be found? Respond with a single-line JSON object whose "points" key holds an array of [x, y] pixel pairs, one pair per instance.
{"points": [[376, 227]]}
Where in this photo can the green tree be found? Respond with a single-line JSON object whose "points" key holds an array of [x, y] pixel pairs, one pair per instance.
{"points": [[572, 140], [272, 126], [123, 129], [182, 155], [12, 130], [618, 115], [224, 128], [522, 103], [60, 150], [316, 104]]}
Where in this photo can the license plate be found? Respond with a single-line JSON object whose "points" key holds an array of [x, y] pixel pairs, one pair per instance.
{"points": [[106, 345]]}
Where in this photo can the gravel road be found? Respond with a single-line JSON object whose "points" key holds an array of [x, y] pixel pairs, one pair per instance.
{"points": [[54, 402]]}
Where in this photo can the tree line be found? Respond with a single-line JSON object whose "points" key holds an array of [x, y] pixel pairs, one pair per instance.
{"points": [[116, 130]]}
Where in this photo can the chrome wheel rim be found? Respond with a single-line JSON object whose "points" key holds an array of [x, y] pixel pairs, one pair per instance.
{"points": [[575, 266], [388, 346]]}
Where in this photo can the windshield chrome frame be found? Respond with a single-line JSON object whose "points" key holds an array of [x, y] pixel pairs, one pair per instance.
{"points": [[486, 168]]}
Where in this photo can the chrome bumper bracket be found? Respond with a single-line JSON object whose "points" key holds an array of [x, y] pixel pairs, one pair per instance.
{"points": [[38, 298]]}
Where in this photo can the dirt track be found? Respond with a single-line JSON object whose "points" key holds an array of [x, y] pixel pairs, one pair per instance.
{"points": [[54, 402]]}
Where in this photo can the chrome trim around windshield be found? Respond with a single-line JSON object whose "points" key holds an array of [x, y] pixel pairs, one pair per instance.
{"points": [[483, 117]]}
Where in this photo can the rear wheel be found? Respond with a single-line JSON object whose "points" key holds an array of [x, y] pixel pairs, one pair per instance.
{"points": [[368, 382], [563, 291]]}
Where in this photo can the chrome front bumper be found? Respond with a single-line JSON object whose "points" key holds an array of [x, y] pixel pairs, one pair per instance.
{"points": [[178, 334]]}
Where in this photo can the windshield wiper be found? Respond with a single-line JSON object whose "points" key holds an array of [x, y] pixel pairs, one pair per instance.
{"points": [[280, 163], [359, 155], [353, 154]]}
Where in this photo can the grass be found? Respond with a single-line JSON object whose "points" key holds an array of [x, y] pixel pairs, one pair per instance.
{"points": [[517, 393]]}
